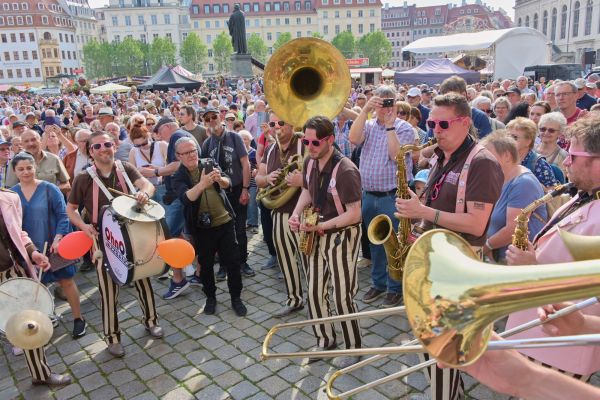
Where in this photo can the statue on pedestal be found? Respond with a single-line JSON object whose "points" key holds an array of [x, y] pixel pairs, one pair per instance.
{"points": [[237, 30]]}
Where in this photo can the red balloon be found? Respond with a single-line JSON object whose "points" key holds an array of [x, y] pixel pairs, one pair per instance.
{"points": [[176, 252], [74, 245]]}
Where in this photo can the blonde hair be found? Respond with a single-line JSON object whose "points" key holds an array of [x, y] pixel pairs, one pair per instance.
{"points": [[525, 125], [502, 144]]}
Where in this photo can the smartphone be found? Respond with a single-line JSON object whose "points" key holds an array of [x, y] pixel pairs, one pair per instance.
{"points": [[388, 103], [208, 166]]}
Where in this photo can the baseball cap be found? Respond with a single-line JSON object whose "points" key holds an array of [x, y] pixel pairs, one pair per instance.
{"points": [[513, 89], [163, 121], [422, 176], [106, 111], [579, 82], [413, 92], [229, 115], [590, 85], [17, 124], [2, 141], [211, 110]]}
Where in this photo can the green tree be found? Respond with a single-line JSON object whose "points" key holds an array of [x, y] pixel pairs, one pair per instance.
{"points": [[317, 35], [376, 47], [161, 52], [282, 39], [222, 51], [129, 57], [345, 43], [193, 53], [97, 58], [257, 47]]}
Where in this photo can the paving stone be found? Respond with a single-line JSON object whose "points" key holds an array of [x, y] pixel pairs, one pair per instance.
{"points": [[185, 372], [273, 385], [214, 368], [178, 394], [161, 384], [243, 390], [173, 361], [256, 372], [82, 369], [105, 392], [212, 392], [197, 383], [91, 382], [150, 371], [64, 393], [118, 378], [131, 389]]}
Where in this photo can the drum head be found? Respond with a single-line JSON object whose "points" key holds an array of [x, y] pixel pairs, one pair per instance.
{"points": [[19, 294], [116, 246], [130, 209]]}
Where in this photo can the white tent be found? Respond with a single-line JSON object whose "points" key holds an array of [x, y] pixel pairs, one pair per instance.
{"points": [[511, 49], [110, 88]]}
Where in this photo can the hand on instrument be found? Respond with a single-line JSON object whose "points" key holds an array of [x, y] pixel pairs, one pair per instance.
{"points": [[90, 231], [310, 228], [40, 260], [515, 256], [411, 208], [244, 197], [294, 223], [373, 103], [142, 197], [272, 177], [571, 324], [294, 178]]}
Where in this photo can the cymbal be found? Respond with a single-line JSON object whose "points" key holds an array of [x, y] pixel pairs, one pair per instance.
{"points": [[29, 329], [129, 208]]}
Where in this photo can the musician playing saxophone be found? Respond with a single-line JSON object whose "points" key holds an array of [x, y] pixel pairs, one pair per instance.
{"points": [[331, 184], [275, 156], [580, 215]]}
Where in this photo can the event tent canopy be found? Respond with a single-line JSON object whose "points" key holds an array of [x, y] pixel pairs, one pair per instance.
{"points": [[511, 49], [168, 79], [435, 71], [110, 88]]}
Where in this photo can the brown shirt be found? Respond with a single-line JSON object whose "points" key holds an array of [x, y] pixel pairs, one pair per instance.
{"points": [[347, 183], [272, 158], [9, 255], [49, 169], [199, 133], [82, 192], [484, 184]]}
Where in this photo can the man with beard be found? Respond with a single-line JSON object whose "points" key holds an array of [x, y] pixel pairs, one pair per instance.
{"points": [[227, 150], [106, 173]]}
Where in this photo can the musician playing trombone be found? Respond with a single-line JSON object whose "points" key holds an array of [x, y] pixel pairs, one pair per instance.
{"points": [[580, 215]]}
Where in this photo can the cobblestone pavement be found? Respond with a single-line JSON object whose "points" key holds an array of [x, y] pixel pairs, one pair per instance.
{"points": [[209, 357]]}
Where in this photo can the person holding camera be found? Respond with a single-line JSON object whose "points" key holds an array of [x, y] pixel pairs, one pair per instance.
{"points": [[210, 219]]}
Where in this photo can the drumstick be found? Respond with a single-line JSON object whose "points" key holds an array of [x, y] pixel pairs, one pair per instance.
{"points": [[37, 289], [9, 295], [122, 194]]}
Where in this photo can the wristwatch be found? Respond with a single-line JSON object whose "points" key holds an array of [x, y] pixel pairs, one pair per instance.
{"points": [[390, 129], [156, 172]]}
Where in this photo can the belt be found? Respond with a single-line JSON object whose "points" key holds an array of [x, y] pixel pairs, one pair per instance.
{"points": [[382, 194]]}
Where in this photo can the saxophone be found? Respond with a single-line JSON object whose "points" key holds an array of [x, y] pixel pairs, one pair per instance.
{"points": [[381, 230], [520, 237], [310, 216]]}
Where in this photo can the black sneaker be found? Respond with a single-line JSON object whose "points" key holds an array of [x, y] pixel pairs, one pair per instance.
{"points": [[239, 307], [247, 271], [221, 275], [372, 295], [79, 326], [211, 306]]}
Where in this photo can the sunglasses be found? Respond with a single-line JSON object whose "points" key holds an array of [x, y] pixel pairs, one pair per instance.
{"points": [[315, 143], [98, 146], [551, 131], [280, 123], [230, 119], [141, 144], [210, 117], [573, 154], [444, 124], [402, 113]]}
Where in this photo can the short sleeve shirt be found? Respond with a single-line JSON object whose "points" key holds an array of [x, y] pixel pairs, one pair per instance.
{"points": [[82, 192], [347, 183], [49, 169], [227, 151], [272, 158]]}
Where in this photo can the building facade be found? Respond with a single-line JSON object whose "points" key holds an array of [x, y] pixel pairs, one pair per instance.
{"points": [[572, 26], [84, 19], [37, 41], [405, 24], [301, 18]]}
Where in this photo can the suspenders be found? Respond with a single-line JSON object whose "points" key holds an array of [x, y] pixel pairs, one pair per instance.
{"points": [[98, 185]]}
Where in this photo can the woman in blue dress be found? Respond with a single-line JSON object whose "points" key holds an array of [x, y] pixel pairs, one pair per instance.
{"points": [[45, 220]]}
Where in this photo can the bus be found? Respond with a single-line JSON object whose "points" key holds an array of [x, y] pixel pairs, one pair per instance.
{"points": [[565, 72]]}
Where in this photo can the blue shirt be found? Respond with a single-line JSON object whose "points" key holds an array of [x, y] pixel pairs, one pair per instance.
{"points": [[519, 192], [586, 102]]}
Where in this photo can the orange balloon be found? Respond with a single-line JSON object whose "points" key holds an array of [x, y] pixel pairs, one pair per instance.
{"points": [[178, 253], [74, 245]]}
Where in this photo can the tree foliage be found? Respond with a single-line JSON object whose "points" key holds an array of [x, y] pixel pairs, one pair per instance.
{"points": [[376, 47], [345, 43], [161, 52], [129, 57], [317, 35], [97, 58], [282, 39], [257, 47], [193, 53], [222, 51]]}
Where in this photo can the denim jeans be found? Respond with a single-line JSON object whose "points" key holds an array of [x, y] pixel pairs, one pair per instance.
{"points": [[175, 218], [371, 207], [253, 207]]}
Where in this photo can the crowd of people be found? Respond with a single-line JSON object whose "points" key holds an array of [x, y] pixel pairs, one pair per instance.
{"points": [[205, 155]]}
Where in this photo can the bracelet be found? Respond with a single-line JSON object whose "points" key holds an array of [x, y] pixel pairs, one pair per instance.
{"points": [[437, 217], [488, 245], [390, 129], [156, 172]]}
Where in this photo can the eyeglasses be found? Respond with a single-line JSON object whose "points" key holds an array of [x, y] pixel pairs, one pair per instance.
{"points": [[315, 143], [141, 144], [402, 113], [230, 119], [98, 146], [209, 117], [280, 123], [551, 131], [573, 154], [444, 124], [188, 153]]}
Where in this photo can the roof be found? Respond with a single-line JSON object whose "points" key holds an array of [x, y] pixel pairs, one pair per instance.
{"points": [[365, 70], [167, 78], [466, 41]]}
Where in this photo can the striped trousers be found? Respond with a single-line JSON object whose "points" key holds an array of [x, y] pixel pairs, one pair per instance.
{"points": [[286, 247], [36, 358], [579, 377], [109, 293], [334, 264], [445, 383]]}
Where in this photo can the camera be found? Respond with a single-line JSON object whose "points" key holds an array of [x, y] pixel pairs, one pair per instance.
{"points": [[204, 220], [208, 165], [388, 103]]}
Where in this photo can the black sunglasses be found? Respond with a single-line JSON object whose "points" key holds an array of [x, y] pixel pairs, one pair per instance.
{"points": [[141, 144], [98, 146], [280, 123], [209, 117], [315, 143]]}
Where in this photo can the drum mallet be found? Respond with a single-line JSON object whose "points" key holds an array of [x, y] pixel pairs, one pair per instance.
{"points": [[37, 289]]}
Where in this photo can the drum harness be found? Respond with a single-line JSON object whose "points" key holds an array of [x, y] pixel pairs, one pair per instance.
{"points": [[123, 178]]}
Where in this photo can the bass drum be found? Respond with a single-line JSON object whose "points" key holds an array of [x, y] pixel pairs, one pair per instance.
{"points": [[20, 294], [129, 246]]}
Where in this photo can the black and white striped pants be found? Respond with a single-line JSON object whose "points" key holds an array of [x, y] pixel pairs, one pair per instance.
{"points": [[286, 247], [334, 264], [36, 358], [445, 383], [109, 293]]}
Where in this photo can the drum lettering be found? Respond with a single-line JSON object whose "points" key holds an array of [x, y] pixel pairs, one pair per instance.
{"points": [[114, 243]]}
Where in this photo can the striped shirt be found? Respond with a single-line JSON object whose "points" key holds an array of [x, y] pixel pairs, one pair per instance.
{"points": [[342, 139], [377, 169]]}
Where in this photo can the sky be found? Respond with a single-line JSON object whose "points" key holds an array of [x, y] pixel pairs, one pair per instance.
{"points": [[507, 5]]}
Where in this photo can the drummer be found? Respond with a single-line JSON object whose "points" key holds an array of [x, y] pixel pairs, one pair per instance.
{"points": [[17, 253], [101, 147]]}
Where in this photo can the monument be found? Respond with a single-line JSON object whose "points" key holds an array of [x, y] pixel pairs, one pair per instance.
{"points": [[241, 64]]}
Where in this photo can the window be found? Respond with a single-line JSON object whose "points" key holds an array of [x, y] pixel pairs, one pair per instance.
{"points": [[210, 52], [553, 26], [246, 7], [16, 56], [4, 38], [115, 21], [349, 14], [13, 38], [1, 74], [196, 25], [117, 38], [360, 13], [25, 55], [22, 37], [206, 9], [337, 29], [277, 21], [325, 15], [286, 21], [325, 30], [60, 38], [268, 21], [588, 17], [360, 28], [298, 21], [195, 9], [337, 14], [211, 67], [308, 20], [226, 8], [255, 7], [127, 20], [216, 8], [141, 20], [298, 34], [371, 27], [154, 20], [15, 6], [167, 19], [276, 6], [37, 73], [143, 37], [371, 12], [267, 7], [34, 55], [9, 73], [217, 24], [207, 24], [19, 20], [576, 19], [527, 21], [168, 36], [349, 27], [44, 20], [563, 22], [6, 6], [24, 6], [10, 20], [256, 23], [545, 23], [6, 56], [307, 5], [535, 21], [209, 39], [19, 73], [1, 20], [63, 55], [325, 2], [269, 36], [286, 6]]}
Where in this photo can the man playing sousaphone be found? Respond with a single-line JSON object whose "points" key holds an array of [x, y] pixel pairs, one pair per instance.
{"points": [[286, 242], [463, 186], [331, 184], [91, 190]]}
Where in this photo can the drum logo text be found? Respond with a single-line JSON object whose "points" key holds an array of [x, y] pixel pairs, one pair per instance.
{"points": [[116, 246]]}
